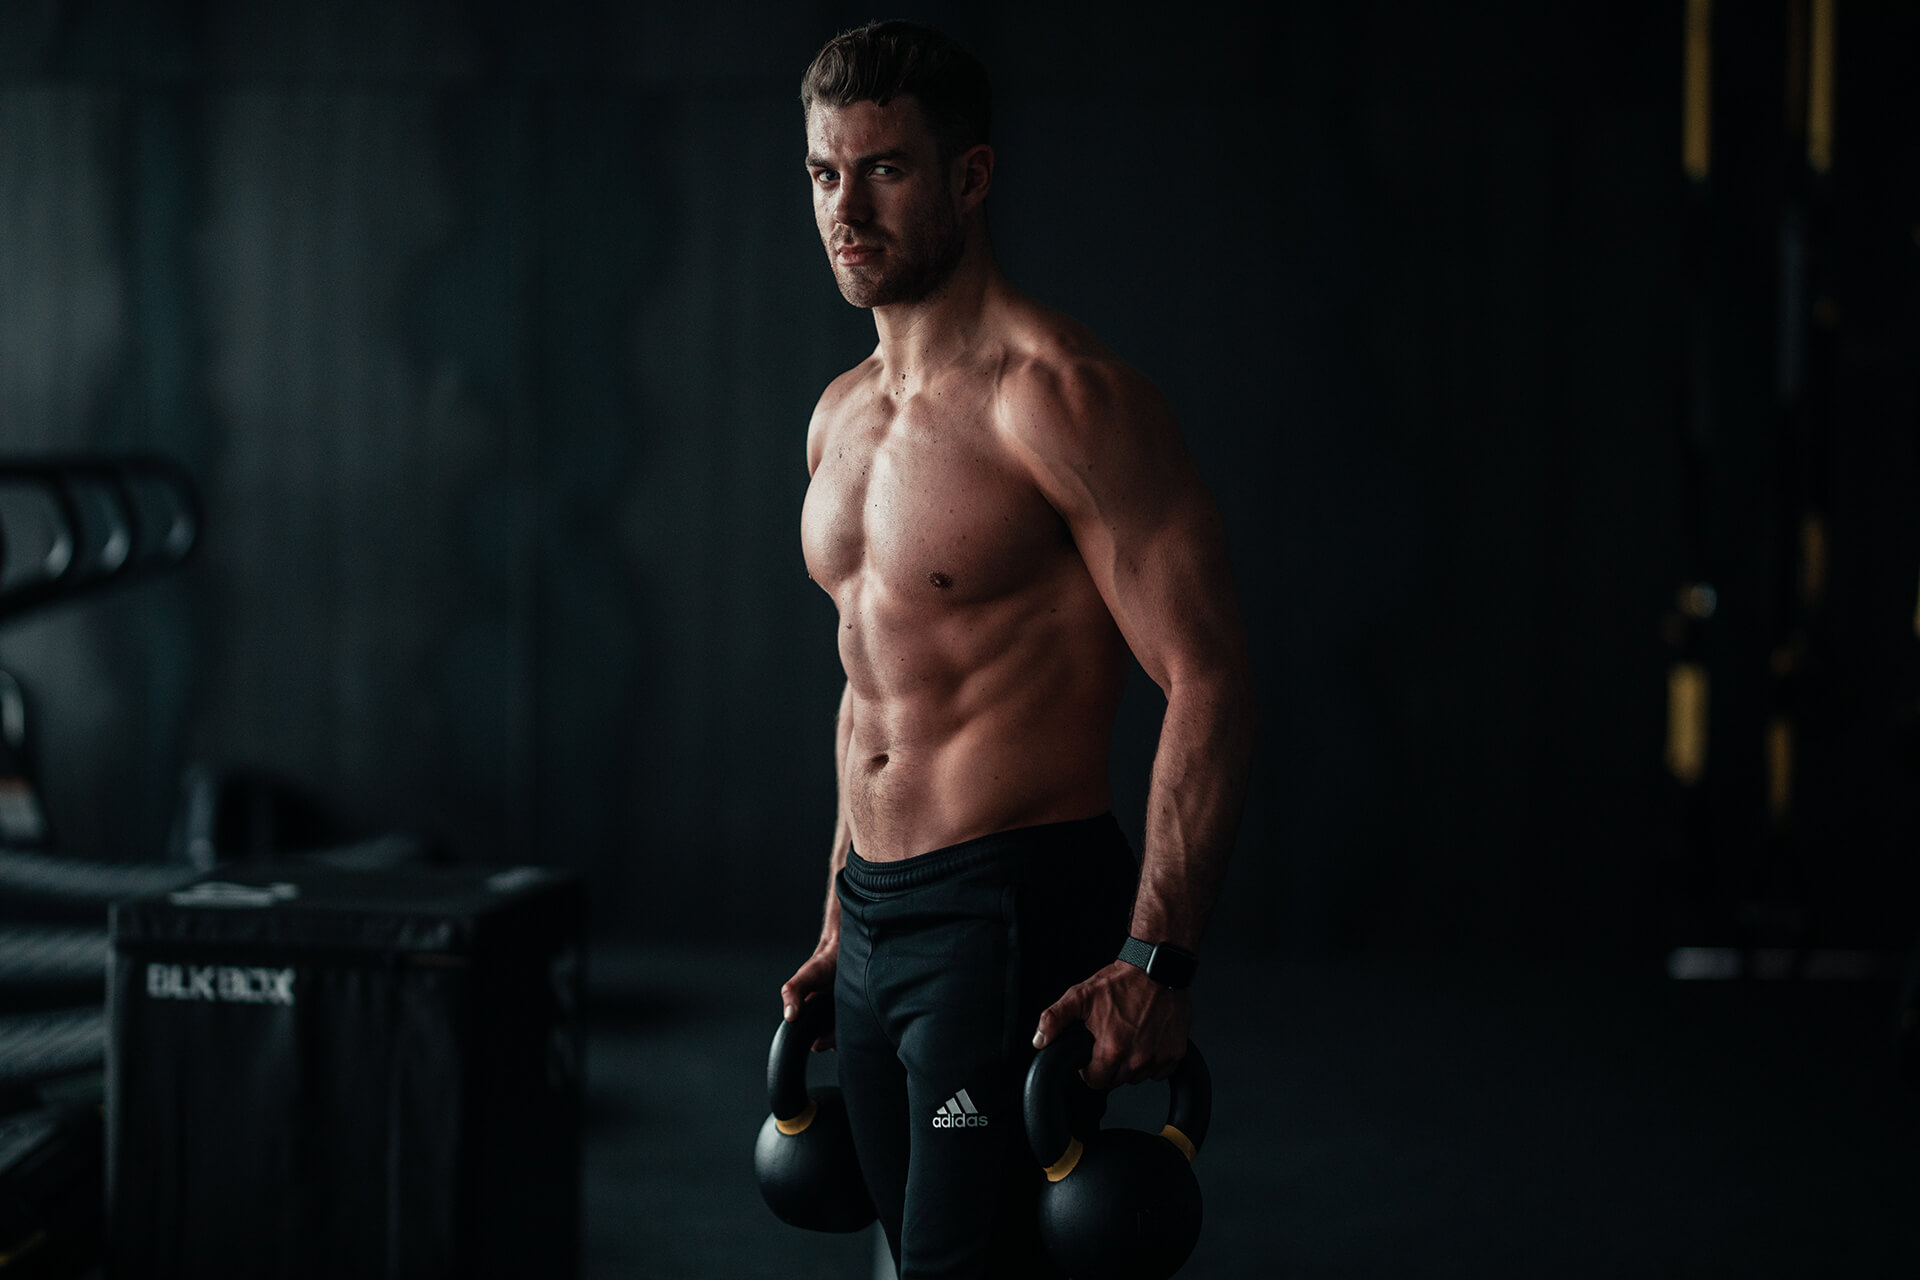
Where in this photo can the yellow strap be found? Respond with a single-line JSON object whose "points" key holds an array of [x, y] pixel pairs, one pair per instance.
{"points": [[1064, 1165], [799, 1122], [1181, 1141], [1696, 123]]}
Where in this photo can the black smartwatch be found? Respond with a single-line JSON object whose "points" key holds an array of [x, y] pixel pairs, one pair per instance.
{"points": [[1166, 964]]}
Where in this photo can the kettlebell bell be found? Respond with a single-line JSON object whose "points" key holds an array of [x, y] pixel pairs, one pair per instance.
{"points": [[1119, 1204], [804, 1159]]}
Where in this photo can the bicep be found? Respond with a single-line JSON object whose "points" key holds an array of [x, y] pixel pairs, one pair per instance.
{"points": [[1110, 459], [1167, 581]]}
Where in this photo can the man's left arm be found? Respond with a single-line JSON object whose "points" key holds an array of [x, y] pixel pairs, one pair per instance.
{"points": [[1105, 449]]}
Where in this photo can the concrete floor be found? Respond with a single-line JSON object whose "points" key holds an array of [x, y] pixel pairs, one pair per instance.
{"points": [[1373, 1117]]}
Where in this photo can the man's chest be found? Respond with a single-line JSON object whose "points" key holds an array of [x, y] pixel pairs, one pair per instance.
{"points": [[923, 500]]}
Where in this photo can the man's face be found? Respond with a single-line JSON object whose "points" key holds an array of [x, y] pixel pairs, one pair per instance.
{"points": [[883, 201]]}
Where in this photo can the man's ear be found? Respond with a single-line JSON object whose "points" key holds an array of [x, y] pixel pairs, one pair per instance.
{"points": [[972, 176]]}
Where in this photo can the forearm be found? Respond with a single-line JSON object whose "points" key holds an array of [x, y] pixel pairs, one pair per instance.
{"points": [[1194, 799]]}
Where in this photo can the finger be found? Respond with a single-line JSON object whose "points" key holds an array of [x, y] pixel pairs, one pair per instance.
{"points": [[1064, 1012], [1122, 1056], [816, 974], [1106, 1066], [824, 1043], [1100, 1071]]}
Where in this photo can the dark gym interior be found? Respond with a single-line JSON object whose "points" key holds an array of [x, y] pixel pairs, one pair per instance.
{"points": [[1556, 369]]}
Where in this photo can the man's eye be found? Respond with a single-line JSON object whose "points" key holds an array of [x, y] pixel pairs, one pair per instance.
{"points": [[883, 169], [825, 176]]}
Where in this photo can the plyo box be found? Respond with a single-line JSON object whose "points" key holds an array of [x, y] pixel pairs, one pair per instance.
{"points": [[314, 1072]]}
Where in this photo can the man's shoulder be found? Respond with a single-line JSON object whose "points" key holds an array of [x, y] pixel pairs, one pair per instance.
{"points": [[844, 390], [1061, 386], [848, 385]]}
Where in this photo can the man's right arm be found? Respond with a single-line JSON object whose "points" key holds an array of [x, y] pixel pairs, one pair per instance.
{"points": [[816, 975]]}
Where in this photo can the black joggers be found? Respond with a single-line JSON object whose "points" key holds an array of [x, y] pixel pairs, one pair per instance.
{"points": [[946, 962]]}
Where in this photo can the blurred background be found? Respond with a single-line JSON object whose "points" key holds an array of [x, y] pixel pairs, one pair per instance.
{"points": [[1558, 385]]}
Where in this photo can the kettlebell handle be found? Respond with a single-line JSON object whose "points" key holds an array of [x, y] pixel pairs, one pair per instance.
{"points": [[1054, 1070], [787, 1061]]}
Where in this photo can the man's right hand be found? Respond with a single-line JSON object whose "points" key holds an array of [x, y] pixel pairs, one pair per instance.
{"points": [[814, 978]]}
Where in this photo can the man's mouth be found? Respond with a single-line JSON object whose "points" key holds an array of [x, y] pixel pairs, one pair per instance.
{"points": [[853, 255]]}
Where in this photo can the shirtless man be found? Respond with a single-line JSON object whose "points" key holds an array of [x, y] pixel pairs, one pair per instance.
{"points": [[1002, 513]]}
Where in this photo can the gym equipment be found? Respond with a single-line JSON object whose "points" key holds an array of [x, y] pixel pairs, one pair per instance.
{"points": [[83, 523], [1119, 1204], [46, 886], [804, 1160], [53, 886], [322, 1072], [50, 967], [46, 1046]]}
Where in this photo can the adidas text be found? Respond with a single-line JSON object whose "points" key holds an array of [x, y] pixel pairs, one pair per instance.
{"points": [[958, 1112]]}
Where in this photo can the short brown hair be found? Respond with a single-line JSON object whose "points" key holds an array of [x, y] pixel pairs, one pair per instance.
{"points": [[883, 60]]}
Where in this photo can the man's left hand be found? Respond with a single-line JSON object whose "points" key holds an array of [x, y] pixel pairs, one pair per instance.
{"points": [[1139, 1027]]}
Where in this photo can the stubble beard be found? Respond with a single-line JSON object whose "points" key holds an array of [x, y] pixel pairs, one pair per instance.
{"points": [[915, 269]]}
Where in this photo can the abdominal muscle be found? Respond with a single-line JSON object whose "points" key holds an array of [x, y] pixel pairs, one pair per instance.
{"points": [[976, 719]]}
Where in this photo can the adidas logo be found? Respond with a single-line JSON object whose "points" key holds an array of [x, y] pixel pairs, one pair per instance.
{"points": [[959, 1113]]}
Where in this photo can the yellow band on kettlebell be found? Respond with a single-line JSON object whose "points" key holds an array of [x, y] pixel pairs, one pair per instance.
{"points": [[799, 1122], [1181, 1141], [1064, 1165]]}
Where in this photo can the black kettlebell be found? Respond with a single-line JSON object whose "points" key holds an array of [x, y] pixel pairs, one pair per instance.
{"points": [[804, 1160], [1119, 1204]]}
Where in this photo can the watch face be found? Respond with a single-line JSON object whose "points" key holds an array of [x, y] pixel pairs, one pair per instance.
{"points": [[1171, 966]]}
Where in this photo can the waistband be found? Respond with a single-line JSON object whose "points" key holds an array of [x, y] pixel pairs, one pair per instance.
{"points": [[1017, 846]]}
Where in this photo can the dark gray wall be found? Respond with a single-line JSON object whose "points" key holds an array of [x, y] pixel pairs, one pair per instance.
{"points": [[492, 333]]}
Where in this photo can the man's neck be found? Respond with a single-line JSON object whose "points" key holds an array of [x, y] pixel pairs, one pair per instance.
{"points": [[918, 339]]}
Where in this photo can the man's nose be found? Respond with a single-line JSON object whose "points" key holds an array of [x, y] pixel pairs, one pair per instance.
{"points": [[851, 208]]}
